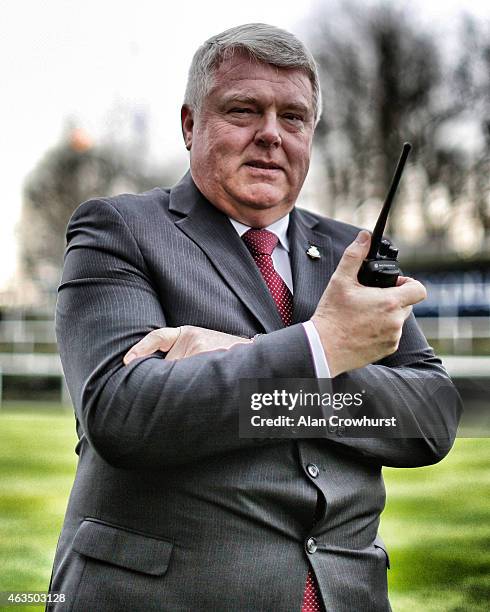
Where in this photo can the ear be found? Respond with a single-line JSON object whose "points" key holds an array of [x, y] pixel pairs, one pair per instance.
{"points": [[187, 122]]}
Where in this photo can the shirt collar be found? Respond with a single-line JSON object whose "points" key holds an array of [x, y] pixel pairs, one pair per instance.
{"points": [[279, 228]]}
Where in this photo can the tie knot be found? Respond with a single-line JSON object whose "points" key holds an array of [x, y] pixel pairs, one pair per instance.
{"points": [[260, 241]]}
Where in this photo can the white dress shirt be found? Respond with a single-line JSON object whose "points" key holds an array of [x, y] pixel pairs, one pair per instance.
{"points": [[282, 265]]}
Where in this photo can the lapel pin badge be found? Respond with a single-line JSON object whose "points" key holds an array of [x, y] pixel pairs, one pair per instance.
{"points": [[313, 252]]}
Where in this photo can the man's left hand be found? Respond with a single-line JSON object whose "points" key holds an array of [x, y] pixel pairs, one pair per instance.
{"points": [[180, 342]]}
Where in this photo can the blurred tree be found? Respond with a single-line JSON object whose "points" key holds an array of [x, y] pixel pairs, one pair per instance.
{"points": [[68, 174], [387, 79], [474, 71]]}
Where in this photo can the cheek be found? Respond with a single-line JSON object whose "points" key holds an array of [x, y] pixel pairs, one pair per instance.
{"points": [[299, 156], [225, 147], [226, 136], [227, 159]]}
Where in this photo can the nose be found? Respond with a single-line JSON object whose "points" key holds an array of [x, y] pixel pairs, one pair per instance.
{"points": [[267, 134]]}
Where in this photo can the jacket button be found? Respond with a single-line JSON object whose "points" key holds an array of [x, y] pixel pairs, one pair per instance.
{"points": [[311, 545], [312, 470]]}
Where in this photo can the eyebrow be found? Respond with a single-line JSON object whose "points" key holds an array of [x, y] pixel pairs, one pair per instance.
{"points": [[244, 99]]}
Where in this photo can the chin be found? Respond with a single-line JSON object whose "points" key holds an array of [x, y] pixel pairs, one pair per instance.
{"points": [[262, 197]]}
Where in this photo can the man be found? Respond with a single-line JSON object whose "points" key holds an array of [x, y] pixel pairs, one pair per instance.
{"points": [[171, 510]]}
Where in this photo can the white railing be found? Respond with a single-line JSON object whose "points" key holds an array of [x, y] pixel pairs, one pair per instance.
{"points": [[461, 332], [23, 335]]}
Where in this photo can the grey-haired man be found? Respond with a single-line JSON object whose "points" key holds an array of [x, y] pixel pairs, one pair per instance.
{"points": [[171, 510]]}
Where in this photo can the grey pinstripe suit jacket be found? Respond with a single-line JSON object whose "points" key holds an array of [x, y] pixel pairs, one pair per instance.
{"points": [[170, 509]]}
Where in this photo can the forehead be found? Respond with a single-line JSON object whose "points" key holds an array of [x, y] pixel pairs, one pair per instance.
{"points": [[241, 74]]}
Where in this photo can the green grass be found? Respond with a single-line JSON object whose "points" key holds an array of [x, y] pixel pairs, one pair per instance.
{"points": [[436, 523], [437, 527], [37, 465]]}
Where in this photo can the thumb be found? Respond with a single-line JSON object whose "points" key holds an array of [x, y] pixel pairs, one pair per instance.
{"points": [[354, 255], [158, 340]]}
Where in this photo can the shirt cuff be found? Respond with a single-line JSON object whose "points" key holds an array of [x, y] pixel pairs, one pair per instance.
{"points": [[319, 358]]}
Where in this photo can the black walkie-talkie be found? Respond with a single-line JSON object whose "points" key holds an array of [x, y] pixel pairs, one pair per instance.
{"points": [[380, 268]]}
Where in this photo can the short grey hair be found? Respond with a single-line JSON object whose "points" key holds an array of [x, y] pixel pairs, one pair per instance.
{"points": [[262, 42]]}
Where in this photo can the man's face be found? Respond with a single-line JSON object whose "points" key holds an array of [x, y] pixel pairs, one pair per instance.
{"points": [[251, 142]]}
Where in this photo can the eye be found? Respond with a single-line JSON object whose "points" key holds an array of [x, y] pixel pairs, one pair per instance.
{"points": [[241, 110], [295, 118]]}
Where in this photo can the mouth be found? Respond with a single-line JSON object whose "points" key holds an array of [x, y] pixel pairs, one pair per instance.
{"points": [[263, 165]]}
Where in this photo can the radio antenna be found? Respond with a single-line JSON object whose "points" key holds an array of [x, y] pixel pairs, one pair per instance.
{"points": [[381, 222]]}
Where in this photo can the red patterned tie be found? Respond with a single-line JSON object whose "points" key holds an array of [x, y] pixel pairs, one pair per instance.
{"points": [[261, 243]]}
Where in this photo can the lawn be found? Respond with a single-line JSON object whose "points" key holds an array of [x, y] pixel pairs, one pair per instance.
{"points": [[436, 523]]}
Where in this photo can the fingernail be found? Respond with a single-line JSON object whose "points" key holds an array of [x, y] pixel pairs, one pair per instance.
{"points": [[129, 357], [362, 237]]}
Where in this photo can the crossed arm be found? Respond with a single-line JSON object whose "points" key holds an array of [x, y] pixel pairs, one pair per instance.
{"points": [[155, 412]]}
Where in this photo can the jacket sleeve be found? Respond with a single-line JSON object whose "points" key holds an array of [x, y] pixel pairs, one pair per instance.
{"points": [[152, 412], [413, 387]]}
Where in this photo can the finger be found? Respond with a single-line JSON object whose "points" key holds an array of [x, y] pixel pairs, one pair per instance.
{"points": [[354, 255], [178, 351], [158, 340], [401, 280], [218, 342], [411, 292]]}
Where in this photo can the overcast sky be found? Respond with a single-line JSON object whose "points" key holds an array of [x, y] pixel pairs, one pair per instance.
{"points": [[63, 59]]}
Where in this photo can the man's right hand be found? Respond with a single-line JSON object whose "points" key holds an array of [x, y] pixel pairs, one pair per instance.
{"points": [[359, 325], [184, 341]]}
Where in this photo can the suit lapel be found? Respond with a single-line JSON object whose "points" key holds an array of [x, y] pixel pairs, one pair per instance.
{"points": [[310, 276], [211, 230]]}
